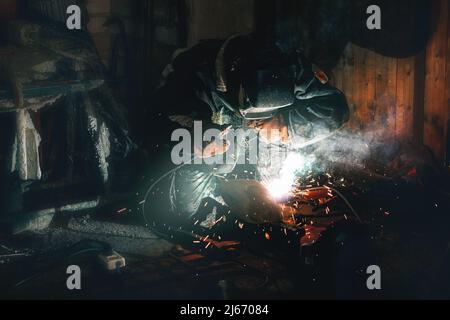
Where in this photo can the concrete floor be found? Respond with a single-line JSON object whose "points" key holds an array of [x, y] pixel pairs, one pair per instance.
{"points": [[156, 268]]}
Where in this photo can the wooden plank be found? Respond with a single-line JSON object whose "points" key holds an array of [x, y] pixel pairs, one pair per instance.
{"points": [[447, 93], [358, 80], [363, 71], [370, 89], [435, 83], [390, 98], [405, 98], [348, 66], [419, 97], [404, 117], [385, 92]]}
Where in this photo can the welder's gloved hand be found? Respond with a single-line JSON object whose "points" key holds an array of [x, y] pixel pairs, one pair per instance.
{"points": [[215, 148], [274, 130]]}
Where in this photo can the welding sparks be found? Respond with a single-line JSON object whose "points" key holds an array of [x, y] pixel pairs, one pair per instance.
{"points": [[281, 187]]}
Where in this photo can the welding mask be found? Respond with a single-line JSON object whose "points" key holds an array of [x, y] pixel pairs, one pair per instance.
{"points": [[266, 90], [256, 84]]}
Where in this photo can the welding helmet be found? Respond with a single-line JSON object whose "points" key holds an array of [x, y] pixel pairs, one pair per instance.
{"points": [[253, 81]]}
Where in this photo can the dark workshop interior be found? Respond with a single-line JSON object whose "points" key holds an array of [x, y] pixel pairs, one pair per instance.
{"points": [[87, 171]]}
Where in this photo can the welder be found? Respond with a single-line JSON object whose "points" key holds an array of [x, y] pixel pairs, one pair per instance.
{"points": [[237, 83]]}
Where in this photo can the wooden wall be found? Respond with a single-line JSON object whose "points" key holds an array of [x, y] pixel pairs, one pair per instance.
{"points": [[408, 99], [380, 91], [437, 82]]}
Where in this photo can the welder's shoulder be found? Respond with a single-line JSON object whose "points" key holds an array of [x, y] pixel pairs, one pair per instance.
{"points": [[315, 88], [324, 101]]}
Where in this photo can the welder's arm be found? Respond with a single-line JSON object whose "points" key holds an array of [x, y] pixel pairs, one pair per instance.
{"points": [[317, 113]]}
